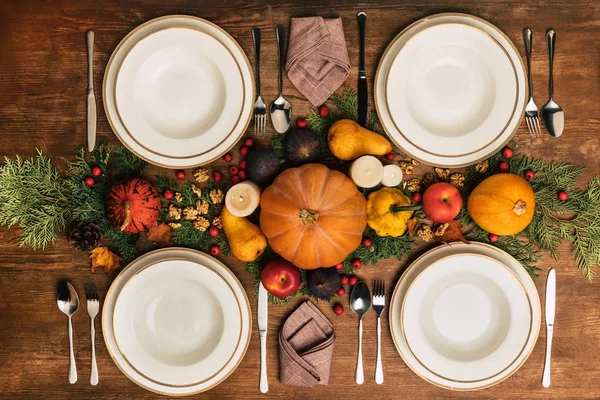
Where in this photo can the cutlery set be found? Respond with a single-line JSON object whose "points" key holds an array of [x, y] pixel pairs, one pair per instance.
{"points": [[360, 303], [68, 303], [552, 114], [281, 109]]}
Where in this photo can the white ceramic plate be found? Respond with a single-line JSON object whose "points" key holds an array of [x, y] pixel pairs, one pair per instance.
{"points": [[451, 90], [179, 92], [419, 265], [190, 346], [466, 317], [443, 128], [177, 322], [168, 131]]}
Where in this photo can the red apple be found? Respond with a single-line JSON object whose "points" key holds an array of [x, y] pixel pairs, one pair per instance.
{"points": [[442, 202], [280, 277]]}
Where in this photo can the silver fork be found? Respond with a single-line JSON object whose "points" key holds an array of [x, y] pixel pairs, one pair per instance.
{"points": [[260, 109], [93, 306], [531, 111], [378, 306]]}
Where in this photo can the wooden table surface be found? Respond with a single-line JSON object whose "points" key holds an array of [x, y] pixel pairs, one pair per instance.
{"points": [[42, 104]]}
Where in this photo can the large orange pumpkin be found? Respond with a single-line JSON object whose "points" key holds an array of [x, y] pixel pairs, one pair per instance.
{"points": [[502, 204], [133, 206], [313, 216]]}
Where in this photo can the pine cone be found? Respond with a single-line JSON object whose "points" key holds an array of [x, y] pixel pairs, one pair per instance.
{"points": [[85, 236]]}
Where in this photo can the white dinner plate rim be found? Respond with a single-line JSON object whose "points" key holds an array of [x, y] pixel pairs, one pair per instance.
{"points": [[115, 91], [128, 361], [500, 133], [511, 273], [461, 248], [154, 25], [453, 18], [186, 254]]}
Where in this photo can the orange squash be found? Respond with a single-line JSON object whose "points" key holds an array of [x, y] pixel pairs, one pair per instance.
{"points": [[502, 204], [133, 206], [313, 216]]}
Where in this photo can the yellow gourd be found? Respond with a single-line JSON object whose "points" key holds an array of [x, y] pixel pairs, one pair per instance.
{"points": [[502, 204], [388, 211], [348, 140]]}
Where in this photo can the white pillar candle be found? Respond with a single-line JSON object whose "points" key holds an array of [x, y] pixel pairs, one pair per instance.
{"points": [[242, 199], [366, 171], [392, 175]]}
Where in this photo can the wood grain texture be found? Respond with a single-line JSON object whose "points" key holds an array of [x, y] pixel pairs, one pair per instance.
{"points": [[42, 104]]}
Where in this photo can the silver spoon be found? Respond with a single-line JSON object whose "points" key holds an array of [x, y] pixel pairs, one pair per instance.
{"points": [[281, 109], [68, 303], [360, 303], [552, 114]]}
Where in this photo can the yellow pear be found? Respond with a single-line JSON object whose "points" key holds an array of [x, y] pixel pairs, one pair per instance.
{"points": [[246, 240], [348, 140]]}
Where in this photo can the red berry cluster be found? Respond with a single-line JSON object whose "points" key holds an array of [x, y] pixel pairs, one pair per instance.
{"points": [[507, 153], [238, 173], [338, 309]]}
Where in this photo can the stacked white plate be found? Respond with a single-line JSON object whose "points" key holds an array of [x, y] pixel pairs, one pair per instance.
{"points": [[465, 317], [450, 90], [178, 91], [176, 321]]}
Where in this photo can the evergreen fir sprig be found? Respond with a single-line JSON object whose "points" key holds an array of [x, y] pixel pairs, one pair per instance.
{"points": [[576, 220], [34, 197]]}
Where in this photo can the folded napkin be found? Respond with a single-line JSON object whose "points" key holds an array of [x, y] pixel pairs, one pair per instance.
{"points": [[306, 347], [317, 58]]}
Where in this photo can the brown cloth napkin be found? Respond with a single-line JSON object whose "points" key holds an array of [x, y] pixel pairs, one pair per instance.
{"points": [[306, 347], [317, 58]]}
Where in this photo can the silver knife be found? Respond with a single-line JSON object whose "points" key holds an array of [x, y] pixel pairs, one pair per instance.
{"points": [[362, 75], [550, 311], [263, 303], [91, 99]]}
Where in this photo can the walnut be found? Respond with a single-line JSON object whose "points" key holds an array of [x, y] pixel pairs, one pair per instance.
{"points": [[190, 213], [197, 190], [201, 224], [457, 179], [427, 179], [174, 212], [424, 232], [216, 196], [443, 173], [406, 167], [201, 175], [441, 229], [174, 225], [202, 206], [413, 185], [178, 197], [217, 222], [482, 167]]}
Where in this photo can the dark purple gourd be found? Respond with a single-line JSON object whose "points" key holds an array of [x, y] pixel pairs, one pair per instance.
{"points": [[262, 166], [323, 283], [302, 146]]}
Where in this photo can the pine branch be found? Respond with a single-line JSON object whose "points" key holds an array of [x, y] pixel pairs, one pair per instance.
{"points": [[34, 197]]}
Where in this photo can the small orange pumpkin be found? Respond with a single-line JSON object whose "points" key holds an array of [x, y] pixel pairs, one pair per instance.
{"points": [[313, 216], [133, 206], [502, 204]]}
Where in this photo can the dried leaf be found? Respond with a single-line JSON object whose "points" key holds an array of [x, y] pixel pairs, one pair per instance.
{"points": [[453, 233], [412, 226], [161, 234], [104, 258]]}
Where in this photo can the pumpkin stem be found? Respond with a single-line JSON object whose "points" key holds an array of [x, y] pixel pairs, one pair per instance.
{"points": [[308, 216], [395, 208], [127, 206], [520, 207]]}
